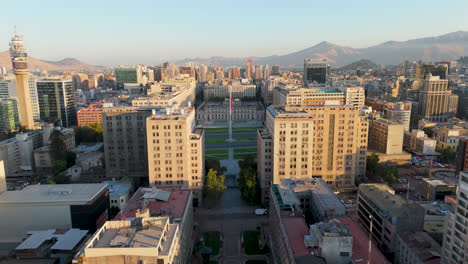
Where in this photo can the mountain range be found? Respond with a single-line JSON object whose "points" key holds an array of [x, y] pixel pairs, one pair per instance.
{"points": [[36, 64], [441, 48], [445, 47]]}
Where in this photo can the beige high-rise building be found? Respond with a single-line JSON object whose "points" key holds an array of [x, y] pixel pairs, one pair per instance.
{"points": [[386, 136], [319, 96], [19, 59], [175, 150], [434, 99], [328, 142], [455, 235]]}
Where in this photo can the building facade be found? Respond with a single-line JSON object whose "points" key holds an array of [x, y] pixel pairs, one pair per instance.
{"points": [[316, 70], [90, 115], [386, 136], [241, 110], [434, 99], [57, 102], [125, 147], [176, 150]]}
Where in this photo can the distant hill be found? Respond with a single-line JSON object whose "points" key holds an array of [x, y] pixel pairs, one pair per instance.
{"points": [[445, 47], [362, 64], [36, 64]]}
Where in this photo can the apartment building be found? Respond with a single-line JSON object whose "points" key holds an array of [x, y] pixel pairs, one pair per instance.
{"points": [[175, 150], [391, 214], [418, 142], [328, 142], [455, 234], [166, 97], [90, 115], [417, 248], [125, 148]]}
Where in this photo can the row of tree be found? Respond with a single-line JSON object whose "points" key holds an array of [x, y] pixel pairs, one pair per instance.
{"points": [[214, 184], [388, 174], [248, 181]]}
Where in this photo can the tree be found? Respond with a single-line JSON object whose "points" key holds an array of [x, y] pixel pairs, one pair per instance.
{"points": [[214, 186], [70, 158], [447, 155], [58, 166], [415, 120], [428, 131], [57, 145], [215, 165], [90, 133], [247, 162], [249, 186], [390, 174], [372, 162]]}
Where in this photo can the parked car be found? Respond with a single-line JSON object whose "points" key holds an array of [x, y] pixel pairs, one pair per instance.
{"points": [[261, 211]]}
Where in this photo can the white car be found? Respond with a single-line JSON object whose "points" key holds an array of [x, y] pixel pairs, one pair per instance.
{"points": [[261, 211]]}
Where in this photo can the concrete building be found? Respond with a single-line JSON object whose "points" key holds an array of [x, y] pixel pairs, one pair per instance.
{"points": [[57, 102], [127, 75], [418, 142], [446, 137], [167, 95], [434, 98], [176, 150], [119, 193], [400, 114], [90, 115], [125, 147], [241, 110], [17, 152], [462, 155], [316, 70], [319, 96], [417, 248], [391, 215], [333, 241], [289, 232], [19, 59], [436, 189], [453, 105], [328, 142], [455, 235], [3, 184], [386, 136], [82, 206]]}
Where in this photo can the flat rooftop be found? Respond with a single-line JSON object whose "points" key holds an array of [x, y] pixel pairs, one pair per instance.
{"points": [[423, 246], [174, 206], [296, 229], [361, 244], [118, 188], [437, 182], [54, 193], [384, 197]]}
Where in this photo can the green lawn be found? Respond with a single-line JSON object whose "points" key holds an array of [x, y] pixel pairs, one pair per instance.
{"points": [[212, 240], [216, 157], [242, 156], [243, 150], [215, 140], [244, 139], [216, 151], [251, 245], [217, 131], [256, 261], [244, 130]]}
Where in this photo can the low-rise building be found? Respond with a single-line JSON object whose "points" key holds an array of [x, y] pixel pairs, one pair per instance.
{"points": [[417, 248], [436, 189], [333, 241], [241, 110], [83, 206], [391, 214], [386, 136], [90, 115], [119, 193], [417, 141]]}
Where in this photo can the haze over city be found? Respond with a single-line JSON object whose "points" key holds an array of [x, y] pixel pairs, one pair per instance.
{"points": [[125, 32]]}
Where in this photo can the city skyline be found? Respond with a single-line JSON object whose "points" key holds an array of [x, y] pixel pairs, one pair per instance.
{"points": [[153, 33]]}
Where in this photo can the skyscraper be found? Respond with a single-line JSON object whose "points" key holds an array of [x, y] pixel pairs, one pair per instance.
{"points": [[315, 71], [434, 98], [8, 115], [19, 59], [56, 102]]}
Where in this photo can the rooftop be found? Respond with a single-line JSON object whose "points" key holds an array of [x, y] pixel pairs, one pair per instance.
{"points": [[423, 246], [64, 240], [88, 148], [296, 229], [361, 244], [173, 206], [384, 197], [52, 193], [436, 182], [118, 188]]}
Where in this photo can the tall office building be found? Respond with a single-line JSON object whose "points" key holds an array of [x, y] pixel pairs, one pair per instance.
{"points": [[56, 102], [328, 142], [19, 59], [175, 150], [127, 75], [316, 70], [125, 148], [275, 70], [9, 118], [434, 99], [455, 240]]}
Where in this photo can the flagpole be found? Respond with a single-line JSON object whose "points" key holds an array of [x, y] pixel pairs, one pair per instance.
{"points": [[230, 115]]}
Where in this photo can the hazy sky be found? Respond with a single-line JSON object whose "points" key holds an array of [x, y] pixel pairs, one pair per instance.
{"points": [[111, 32]]}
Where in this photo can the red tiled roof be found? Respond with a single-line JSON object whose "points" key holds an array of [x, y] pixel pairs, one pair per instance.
{"points": [[296, 229], [361, 244], [175, 206]]}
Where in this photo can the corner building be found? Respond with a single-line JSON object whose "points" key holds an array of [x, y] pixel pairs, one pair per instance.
{"points": [[328, 142], [176, 150]]}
